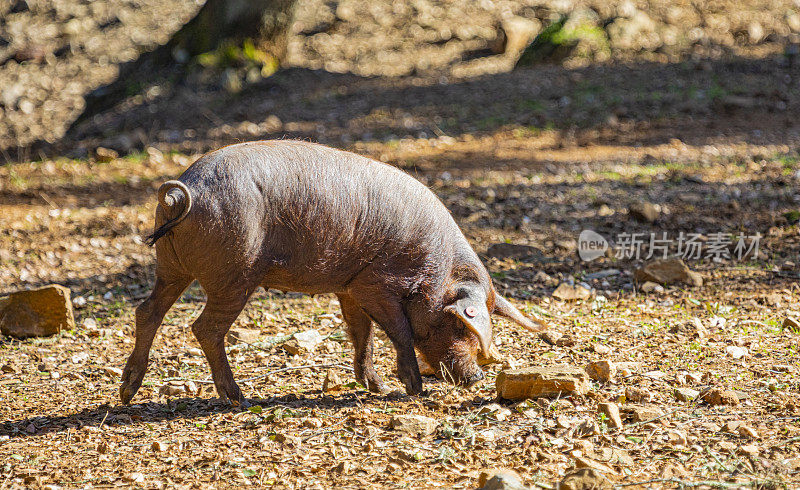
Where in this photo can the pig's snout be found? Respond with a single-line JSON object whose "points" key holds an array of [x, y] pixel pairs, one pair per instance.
{"points": [[474, 378]]}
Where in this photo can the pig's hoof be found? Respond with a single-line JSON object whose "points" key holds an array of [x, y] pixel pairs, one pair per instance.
{"points": [[131, 381]]}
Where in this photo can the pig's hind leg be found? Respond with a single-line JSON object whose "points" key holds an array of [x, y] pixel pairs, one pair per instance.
{"points": [[361, 331], [210, 329], [149, 316]]}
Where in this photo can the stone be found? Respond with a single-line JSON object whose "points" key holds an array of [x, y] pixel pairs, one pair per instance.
{"points": [[514, 34], [611, 410], [500, 479], [170, 389], [736, 352], [643, 414], [719, 396], [747, 431], [585, 479], [582, 462], [677, 437], [303, 342], [646, 212], [791, 324], [668, 271], [602, 370], [651, 287], [36, 312], [243, 335], [418, 425], [158, 446], [105, 155], [194, 351], [112, 371], [602, 274], [685, 394], [567, 292], [535, 382], [550, 336]]}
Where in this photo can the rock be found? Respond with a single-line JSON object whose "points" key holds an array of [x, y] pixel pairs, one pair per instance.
{"points": [[736, 352], [105, 155], [633, 33], [303, 343], [194, 351], [514, 34], [791, 324], [642, 414], [36, 312], [114, 372], [611, 410], [747, 431], [719, 396], [550, 336], [418, 425], [500, 479], [544, 278], [567, 292], [602, 370], [243, 335], [585, 479], [158, 446], [749, 450], [514, 251], [651, 287], [9, 368], [685, 394], [646, 212], [332, 382], [602, 274], [170, 389], [668, 271], [677, 437], [495, 411], [494, 356], [535, 382], [582, 462]]}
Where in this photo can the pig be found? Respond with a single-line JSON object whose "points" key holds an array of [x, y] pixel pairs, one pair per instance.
{"points": [[297, 216]]}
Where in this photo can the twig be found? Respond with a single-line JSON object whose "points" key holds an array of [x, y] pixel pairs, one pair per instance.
{"points": [[703, 483], [787, 441], [104, 419], [295, 368]]}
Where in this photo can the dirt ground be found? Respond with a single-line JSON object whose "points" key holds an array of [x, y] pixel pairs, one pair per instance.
{"points": [[528, 157]]}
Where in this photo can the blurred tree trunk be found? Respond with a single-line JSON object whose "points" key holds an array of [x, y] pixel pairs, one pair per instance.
{"points": [[267, 23]]}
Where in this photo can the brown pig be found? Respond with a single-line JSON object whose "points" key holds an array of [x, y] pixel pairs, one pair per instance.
{"points": [[302, 217]]}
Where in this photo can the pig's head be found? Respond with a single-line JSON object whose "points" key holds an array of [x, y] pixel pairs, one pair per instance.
{"points": [[458, 332]]}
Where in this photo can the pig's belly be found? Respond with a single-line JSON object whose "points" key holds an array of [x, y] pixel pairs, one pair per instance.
{"points": [[308, 281]]}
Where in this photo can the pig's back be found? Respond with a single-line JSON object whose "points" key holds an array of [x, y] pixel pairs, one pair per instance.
{"points": [[309, 217]]}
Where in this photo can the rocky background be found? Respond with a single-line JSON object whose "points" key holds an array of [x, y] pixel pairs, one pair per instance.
{"points": [[53, 52]]}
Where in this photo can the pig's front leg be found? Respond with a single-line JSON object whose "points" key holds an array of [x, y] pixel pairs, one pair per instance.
{"points": [[359, 327], [389, 314]]}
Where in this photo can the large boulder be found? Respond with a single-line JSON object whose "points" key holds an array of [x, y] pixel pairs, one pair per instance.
{"points": [[36, 312]]}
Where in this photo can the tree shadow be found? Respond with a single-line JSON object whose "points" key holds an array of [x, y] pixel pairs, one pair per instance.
{"points": [[173, 409], [747, 99]]}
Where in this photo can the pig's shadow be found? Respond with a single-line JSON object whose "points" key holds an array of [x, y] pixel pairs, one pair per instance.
{"points": [[177, 408]]}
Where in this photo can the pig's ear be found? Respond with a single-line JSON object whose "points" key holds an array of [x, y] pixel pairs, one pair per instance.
{"points": [[503, 308], [476, 318]]}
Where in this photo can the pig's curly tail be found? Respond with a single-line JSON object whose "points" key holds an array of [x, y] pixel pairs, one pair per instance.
{"points": [[172, 195]]}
